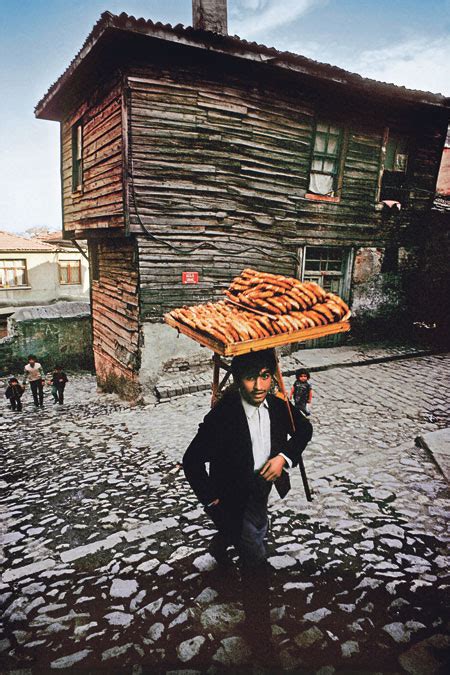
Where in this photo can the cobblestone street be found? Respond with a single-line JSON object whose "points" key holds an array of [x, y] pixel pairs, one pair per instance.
{"points": [[105, 548]]}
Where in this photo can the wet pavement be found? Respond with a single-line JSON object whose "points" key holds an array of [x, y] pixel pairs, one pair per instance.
{"points": [[105, 549]]}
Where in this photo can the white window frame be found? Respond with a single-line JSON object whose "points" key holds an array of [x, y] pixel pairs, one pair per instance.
{"points": [[12, 266]]}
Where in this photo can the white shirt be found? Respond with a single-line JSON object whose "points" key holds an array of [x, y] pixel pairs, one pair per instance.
{"points": [[33, 373], [258, 420]]}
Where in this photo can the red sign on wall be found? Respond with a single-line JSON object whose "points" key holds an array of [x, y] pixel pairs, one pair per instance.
{"points": [[189, 277]]}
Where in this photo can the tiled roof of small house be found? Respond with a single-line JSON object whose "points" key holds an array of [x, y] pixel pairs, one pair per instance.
{"points": [[231, 46], [13, 242]]}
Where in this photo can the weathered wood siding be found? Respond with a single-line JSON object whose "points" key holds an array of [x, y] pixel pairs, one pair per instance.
{"points": [[115, 316], [211, 166], [223, 161], [100, 203], [426, 160]]}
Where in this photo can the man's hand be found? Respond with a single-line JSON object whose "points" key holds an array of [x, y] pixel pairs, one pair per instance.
{"points": [[272, 468]]}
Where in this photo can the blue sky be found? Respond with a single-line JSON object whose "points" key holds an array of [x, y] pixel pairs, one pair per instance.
{"points": [[406, 42]]}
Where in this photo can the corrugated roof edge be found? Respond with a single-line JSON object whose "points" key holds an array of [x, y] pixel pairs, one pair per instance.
{"points": [[198, 38]]}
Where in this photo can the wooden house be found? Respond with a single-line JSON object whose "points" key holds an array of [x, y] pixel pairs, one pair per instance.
{"points": [[186, 150]]}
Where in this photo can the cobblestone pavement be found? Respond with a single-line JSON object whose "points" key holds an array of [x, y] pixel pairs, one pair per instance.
{"points": [[105, 559]]}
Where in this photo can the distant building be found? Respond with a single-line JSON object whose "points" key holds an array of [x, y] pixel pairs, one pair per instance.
{"points": [[35, 272]]}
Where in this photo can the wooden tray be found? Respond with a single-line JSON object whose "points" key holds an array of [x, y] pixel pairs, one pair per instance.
{"points": [[263, 343]]}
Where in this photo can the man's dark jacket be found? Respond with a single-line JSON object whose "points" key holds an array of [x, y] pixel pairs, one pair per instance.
{"points": [[223, 439]]}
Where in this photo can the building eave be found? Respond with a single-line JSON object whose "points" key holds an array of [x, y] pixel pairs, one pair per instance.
{"points": [[49, 107]]}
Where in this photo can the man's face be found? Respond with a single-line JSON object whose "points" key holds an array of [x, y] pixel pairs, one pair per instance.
{"points": [[31, 362], [255, 387]]}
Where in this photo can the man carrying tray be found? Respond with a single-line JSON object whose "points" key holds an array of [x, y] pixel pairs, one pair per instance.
{"points": [[248, 440]]}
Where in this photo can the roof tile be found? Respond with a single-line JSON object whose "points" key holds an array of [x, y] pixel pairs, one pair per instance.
{"points": [[14, 242]]}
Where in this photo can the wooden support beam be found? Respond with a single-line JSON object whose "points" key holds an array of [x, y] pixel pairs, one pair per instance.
{"points": [[216, 377]]}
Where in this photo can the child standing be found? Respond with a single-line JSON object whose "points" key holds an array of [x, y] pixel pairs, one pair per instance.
{"points": [[13, 393], [301, 391], [58, 382]]}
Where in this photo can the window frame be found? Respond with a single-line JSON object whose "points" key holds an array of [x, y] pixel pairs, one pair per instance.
{"points": [[388, 133], [344, 275], [77, 139], [23, 269], [69, 264], [340, 161]]}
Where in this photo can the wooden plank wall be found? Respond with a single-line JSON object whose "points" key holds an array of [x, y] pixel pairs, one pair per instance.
{"points": [[115, 316], [100, 203], [226, 161], [210, 167]]}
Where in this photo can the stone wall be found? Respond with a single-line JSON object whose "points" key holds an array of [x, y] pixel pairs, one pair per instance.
{"points": [[57, 334], [377, 297]]}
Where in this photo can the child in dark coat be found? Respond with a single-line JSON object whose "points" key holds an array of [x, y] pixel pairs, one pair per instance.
{"points": [[301, 391], [58, 382], [13, 393]]}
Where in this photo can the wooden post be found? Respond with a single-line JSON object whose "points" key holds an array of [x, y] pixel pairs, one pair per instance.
{"points": [[216, 376], [279, 378], [301, 466]]}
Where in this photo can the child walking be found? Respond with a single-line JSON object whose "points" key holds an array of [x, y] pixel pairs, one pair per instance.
{"points": [[34, 373], [13, 393], [301, 392], [58, 382]]}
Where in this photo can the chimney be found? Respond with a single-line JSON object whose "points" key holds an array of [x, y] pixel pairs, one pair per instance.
{"points": [[210, 15]]}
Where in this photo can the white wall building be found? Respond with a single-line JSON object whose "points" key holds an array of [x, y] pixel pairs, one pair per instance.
{"points": [[35, 272]]}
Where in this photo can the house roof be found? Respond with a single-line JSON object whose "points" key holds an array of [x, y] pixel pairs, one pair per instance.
{"points": [[13, 242], [50, 236], [111, 25], [56, 238], [58, 310]]}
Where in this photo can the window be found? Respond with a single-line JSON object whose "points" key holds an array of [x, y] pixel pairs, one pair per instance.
{"points": [[394, 169], [13, 273], [326, 265], [70, 272], [326, 161], [331, 268], [77, 157]]}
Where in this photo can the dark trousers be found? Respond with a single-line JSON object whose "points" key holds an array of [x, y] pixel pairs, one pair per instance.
{"points": [[255, 573], [16, 403], [38, 392], [249, 541], [58, 393]]}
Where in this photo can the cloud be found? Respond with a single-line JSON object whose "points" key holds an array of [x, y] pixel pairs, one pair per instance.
{"points": [[417, 63], [254, 17]]}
